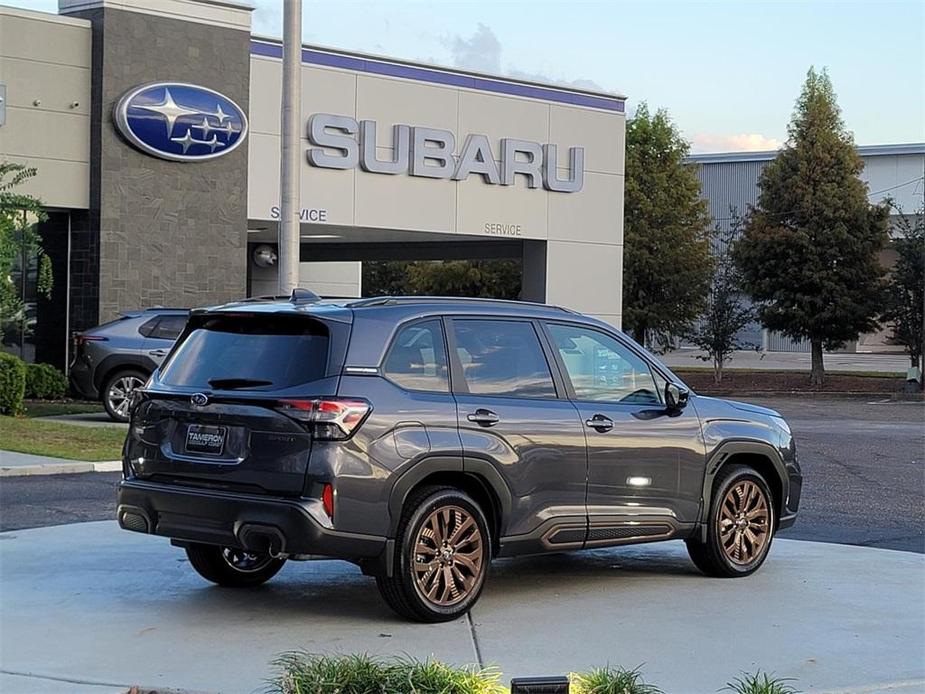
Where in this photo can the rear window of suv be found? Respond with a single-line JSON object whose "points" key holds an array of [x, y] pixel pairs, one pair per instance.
{"points": [[250, 353]]}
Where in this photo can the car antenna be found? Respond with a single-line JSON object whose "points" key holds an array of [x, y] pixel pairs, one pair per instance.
{"points": [[300, 295]]}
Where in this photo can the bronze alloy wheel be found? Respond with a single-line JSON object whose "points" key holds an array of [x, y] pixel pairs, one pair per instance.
{"points": [[744, 523], [448, 556]]}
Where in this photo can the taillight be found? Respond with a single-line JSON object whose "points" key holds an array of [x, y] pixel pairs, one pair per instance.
{"points": [[327, 500], [80, 339], [329, 418]]}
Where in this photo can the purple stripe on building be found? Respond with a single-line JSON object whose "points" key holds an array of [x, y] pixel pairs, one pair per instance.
{"points": [[451, 79]]}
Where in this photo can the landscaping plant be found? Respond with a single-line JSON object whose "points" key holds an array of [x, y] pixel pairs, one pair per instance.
{"points": [[608, 680], [308, 673], [45, 382], [667, 261], [12, 383], [760, 683], [726, 312], [810, 252]]}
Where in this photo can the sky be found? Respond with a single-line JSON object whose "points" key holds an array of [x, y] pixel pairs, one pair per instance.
{"points": [[727, 71]]}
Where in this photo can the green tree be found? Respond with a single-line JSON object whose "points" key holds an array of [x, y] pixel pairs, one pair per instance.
{"points": [[726, 313], [497, 279], [19, 214], [809, 254], [906, 287], [667, 265]]}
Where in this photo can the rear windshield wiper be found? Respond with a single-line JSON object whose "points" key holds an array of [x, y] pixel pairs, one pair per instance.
{"points": [[233, 383]]}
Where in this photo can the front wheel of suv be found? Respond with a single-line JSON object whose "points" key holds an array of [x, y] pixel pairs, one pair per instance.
{"points": [[117, 393], [234, 568], [442, 556], [740, 525]]}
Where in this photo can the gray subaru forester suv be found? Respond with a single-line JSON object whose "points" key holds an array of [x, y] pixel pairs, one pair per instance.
{"points": [[421, 437]]}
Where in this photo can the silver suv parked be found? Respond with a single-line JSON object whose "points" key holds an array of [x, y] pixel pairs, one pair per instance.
{"points": [[420, 438], [113, 359]]}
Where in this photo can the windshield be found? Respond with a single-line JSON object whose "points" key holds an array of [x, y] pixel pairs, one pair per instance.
{"points": [[257, 352]]}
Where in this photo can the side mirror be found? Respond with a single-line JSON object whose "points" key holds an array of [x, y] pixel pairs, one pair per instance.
{"points": [[676, 397]]}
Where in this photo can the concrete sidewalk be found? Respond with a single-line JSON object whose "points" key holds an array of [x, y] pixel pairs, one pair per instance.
{"points": [[14, 464], [92, 604]]}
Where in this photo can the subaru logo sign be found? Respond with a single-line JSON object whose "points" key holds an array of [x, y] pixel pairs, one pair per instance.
{"points": [[199, 399], [180, 122]]}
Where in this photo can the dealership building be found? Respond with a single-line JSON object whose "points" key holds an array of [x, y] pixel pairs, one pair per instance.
{"points": [[154, 129]]}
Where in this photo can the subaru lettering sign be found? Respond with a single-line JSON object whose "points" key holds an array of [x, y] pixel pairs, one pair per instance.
{"points": [[180, 122]]}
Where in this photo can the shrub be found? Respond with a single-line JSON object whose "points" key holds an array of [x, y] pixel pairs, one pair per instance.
{"points": [[45, 382], [607, 680], [760, 683], [12, 383], [306, 673]]}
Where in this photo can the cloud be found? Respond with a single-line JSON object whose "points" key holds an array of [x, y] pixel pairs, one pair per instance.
{"points": [[745, 142], [481, 52], [267, 18]]}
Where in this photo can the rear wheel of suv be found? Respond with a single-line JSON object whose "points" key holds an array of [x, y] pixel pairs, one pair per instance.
{"points": [[442, 556], [117, 392], [232, 567], [740, 526]]}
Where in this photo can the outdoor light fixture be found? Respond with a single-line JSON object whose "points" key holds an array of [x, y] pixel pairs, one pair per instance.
{"points": [[539, 685]]}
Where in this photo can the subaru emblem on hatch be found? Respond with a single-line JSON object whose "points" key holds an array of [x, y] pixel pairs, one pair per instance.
{"points": [[180, 122], [199, 399]]}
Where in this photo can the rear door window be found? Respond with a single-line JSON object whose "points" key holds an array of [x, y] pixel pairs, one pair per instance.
{"points": [[501, 357], [168, 328], [250, 353], [417, 359]]}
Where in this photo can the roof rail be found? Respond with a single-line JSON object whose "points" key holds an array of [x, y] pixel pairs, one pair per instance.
{"points": [[396, 300]]}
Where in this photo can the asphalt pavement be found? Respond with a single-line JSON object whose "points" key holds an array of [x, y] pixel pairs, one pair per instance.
{"points": [[864, 462]]}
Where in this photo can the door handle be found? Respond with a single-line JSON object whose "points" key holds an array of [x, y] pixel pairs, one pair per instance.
{"points": [[483, 417], [600, 423], [158, 352]]}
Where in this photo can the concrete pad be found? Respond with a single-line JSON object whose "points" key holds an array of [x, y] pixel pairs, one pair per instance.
{"points": [[13, 464], [91, 603], [832, 616]]}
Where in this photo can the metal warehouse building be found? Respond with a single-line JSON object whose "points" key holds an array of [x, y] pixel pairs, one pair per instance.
{"points": [[731, 181], [132, 112]]}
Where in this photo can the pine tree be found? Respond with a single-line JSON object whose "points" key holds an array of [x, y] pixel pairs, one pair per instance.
{"points": [[667, 265], [809, 254]]}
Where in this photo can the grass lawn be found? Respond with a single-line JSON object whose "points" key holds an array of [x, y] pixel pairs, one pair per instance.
{"points": [[57, 440], [43, 408]]}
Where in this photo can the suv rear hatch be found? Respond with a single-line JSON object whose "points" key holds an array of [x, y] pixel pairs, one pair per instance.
{"points": [[227, 410]]}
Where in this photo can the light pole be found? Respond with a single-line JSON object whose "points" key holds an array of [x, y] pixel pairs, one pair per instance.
{"points": [[290, 155]]}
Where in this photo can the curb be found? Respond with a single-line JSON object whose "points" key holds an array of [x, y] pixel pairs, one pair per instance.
{"points": [[65, 468]]}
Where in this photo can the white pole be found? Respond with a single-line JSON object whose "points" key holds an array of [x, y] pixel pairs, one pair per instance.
{"points": [[290, 154]]}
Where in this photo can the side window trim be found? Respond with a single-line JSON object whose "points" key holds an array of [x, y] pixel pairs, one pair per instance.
{"points": [[569, 387], [393, 341], [458, 384]]}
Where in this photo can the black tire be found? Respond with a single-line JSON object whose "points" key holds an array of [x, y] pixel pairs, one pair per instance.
{"points": [[712, 557], [402, 591], [123, 376], [216, 564]]}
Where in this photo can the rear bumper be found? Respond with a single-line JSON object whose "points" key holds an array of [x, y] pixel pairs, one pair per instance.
{"points": [[81, 379], [255, 523]]}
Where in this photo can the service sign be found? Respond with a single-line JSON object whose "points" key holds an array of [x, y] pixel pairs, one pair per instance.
{"points": [[180, 122]]}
